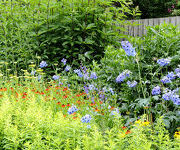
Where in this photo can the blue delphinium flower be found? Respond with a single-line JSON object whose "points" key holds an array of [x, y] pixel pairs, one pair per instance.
{"points": [[177, 70], [131, 84], [156, 90], [123, 76], [172, 95], [120, 78], [39, 77], [167, 96], [175, 98], [165, 80], [33, 72], [178, 75], [164, 61], [86, 89], [91, 87], [111, 90], [86, 119], [101, 96], [55, 77], [72, 109], [78, 72], [130, 51], [64, 61], [67, 68], [84, 69], [88, 126], [86, 76], [43, 64], [171, 75], [93, 75]]}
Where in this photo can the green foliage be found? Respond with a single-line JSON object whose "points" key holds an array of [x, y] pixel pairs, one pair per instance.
{"points": [[76, 30], [33, 123], [160, 42]]}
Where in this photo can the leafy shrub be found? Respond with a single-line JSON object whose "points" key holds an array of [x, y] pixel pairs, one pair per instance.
{"points": [[160, 42], [75, 30]]}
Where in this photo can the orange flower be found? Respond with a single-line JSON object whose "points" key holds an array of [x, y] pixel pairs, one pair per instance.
{"points": [[75, 117], [92, 104], [65, 89], [3, 89], [101, 102], [47, 89], [128, 131], [112, 108], [68, 105], [96, 109], [63, 105], [65, 96], [24, 97], [58, 103], [124, 127], [24, 93]]}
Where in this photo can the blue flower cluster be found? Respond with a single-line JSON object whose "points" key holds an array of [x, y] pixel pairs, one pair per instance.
{"points": [[123, 76], [43, 64], [78, 72], [91, 87], [171, 76], [165, 80], [132, 84], [93, 75], [164, 61], [55, 77], [177, 70], [156, 90], [64, 61], [130, 51], [72, 109], [172, 95], [67, 68], [86, 119]]}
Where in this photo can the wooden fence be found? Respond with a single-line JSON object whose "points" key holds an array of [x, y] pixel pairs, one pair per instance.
{"points": [[139, 30]]}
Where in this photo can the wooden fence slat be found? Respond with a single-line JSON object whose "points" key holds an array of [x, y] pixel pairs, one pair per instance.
{"points": [[139, 30]]}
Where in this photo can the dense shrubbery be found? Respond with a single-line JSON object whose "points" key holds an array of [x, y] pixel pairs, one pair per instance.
{"points": [[160, 42], [157, 8], [77, 30]]}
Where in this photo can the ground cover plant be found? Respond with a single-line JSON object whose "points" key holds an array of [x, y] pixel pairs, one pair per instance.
{"points": [[40, 115]]}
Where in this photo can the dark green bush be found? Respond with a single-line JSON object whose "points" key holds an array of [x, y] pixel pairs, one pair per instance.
{"points": [[156, 8], [75, 30]]}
